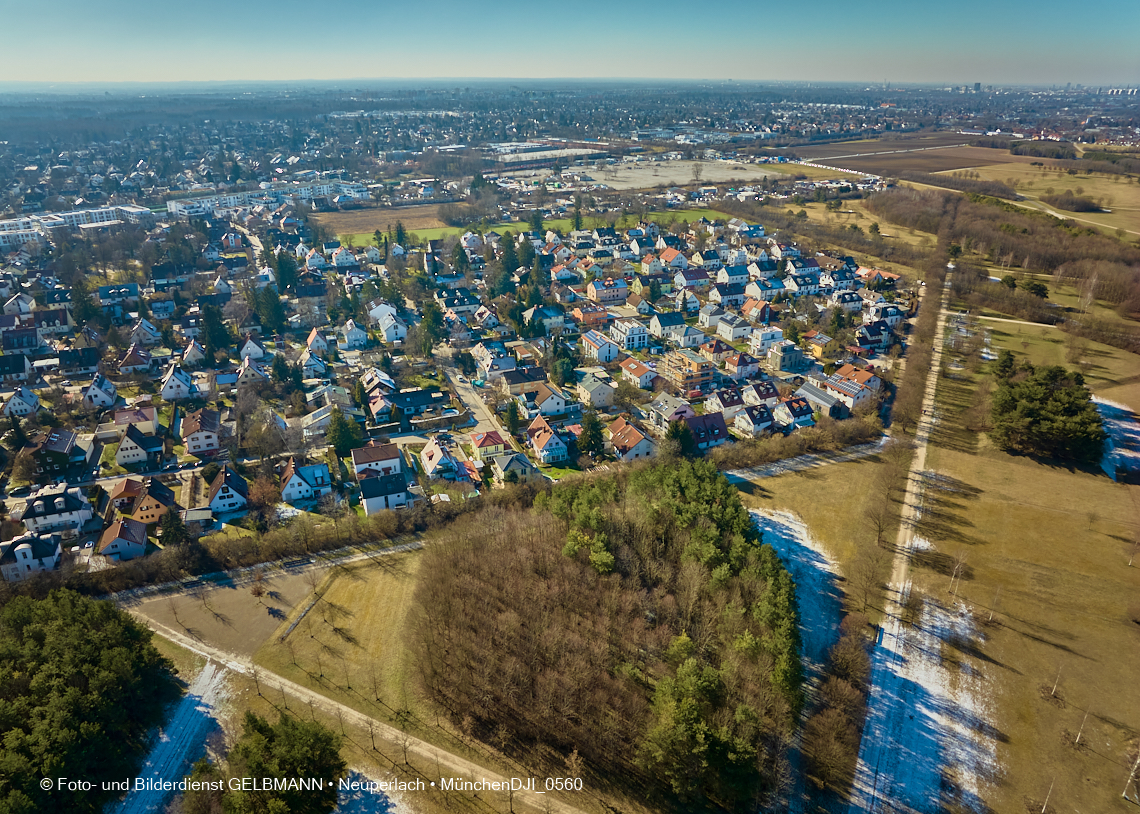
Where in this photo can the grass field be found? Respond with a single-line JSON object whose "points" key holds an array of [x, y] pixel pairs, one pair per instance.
{"points": [[1111, 373], [351, 648], [1047, 549], [562, 224], [363, 222], [1117, 193]]}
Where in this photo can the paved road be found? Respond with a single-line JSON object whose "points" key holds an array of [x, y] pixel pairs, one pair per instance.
{"points": [[876, 755], [471, 397]]}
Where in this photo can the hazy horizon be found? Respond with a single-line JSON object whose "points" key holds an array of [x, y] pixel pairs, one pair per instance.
{"points": [[1017, 43]]}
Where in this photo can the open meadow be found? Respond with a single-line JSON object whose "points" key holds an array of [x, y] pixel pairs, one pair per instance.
{"points": [[1118, 193], [1045, 549], [935, 159], [887, 144]]}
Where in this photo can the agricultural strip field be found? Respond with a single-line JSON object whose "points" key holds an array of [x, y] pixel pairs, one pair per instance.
{"points": [[366, 221], [881, 145], [1045, 548], [935, 160]]}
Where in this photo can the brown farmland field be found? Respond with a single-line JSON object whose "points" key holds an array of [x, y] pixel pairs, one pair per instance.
{"points": [[882, 145], [367, 221], [933, 160]]}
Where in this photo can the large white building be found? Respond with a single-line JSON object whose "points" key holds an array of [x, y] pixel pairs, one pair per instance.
{"points": [[268, 194]]}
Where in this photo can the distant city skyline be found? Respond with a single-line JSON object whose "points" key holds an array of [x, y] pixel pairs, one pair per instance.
{"points": [[1012, 43]]}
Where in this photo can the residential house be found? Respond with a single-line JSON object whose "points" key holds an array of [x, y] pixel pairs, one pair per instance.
{"points": [[228, 493], [55, 452], [137, 448], [20, 305], [793, 414], [886, 312], [54, 508], [544, 398], [312, 366], [686, 371], [756, 311], [695, 279], [194, 354], [552, 319], [375, 460], [514, 467], [733, 328], [177, 384], [123, 540], [548, 446], [201, 432], [393, 329], [353, 337], [754, 421], [765, 289], [146, 418], [316, 342], [30, 554], [304, 482], [629, 334], [598, 347], [847, 301], [385, 492], [637, 372], [733, 275], [417, 401], [729, 295], [786, 356], [251, 348], [802, 285], [762, 339], [438, 462], [155, 500], [822, 401], [14, 367], [78, 361], [709, 316], [727, 402], [595, 391], [137, 359], [628, 442], [821, 346], [763, 393], [741, 366], [100, 394], [709, 430], [252, 373], [664, 325], [145, 333], [716, 351], [875, 336], [686, 302], [689, 337], [610, 291], [23, 402], [488, 444], [516, 381], [665, 409]]}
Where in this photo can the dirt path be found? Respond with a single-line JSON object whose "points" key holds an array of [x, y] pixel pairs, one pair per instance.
{"points": [[453, 764], [881, 749]]}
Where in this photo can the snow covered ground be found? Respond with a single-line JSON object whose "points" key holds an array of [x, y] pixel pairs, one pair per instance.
{"points": [[821, 609], [819, 598], [181, 742], [1122, 452], [928, 740]]}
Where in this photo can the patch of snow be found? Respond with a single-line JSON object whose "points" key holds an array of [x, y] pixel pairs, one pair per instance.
{"points": [[928, 741], [365, 801], [1122, 449], [818, 596], [180, 742]]}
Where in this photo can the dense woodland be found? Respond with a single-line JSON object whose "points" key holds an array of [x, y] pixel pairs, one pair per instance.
{"points": [[637, 619], [81, 688]]}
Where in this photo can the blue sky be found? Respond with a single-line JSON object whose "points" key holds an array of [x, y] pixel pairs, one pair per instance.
{"points": [[988, 41]]}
